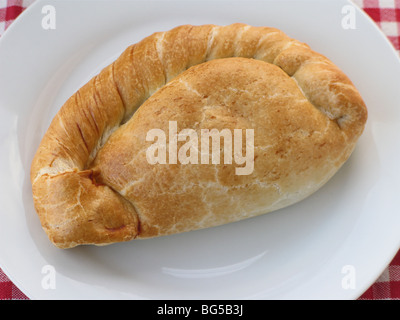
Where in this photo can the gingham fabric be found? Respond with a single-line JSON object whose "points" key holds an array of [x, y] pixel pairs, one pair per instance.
{"points": [[10, 10], [386, 13], [8, 291], [387, 287]]}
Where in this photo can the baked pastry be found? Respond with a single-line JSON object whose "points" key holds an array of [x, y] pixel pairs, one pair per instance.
{"points": [[93, 181]]}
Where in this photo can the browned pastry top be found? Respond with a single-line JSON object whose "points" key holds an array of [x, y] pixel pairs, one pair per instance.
{"points": [[92, 182]]}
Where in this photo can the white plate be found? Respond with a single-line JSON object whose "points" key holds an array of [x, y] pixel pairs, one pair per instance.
{"points": [[350, 228]]}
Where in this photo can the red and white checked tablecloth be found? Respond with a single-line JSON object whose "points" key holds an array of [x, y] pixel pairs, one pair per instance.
{"points": [[386, 13]]}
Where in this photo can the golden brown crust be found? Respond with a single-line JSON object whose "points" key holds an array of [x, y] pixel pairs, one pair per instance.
{"points": [[92, 183]]}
